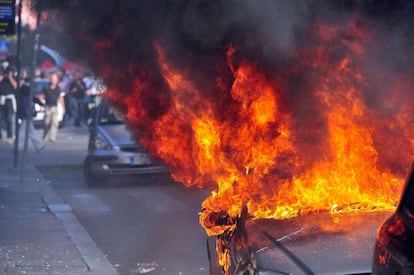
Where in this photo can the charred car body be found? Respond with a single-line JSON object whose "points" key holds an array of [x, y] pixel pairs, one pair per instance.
{"points": [[114, 150], [321, 243], [318, 243]]}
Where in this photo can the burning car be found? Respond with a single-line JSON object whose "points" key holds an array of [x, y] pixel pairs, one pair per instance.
{"points": [[113, 149], [319, 243], [291, 122]]}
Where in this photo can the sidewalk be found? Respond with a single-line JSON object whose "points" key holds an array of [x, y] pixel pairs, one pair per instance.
{"points": [[39, 234]]}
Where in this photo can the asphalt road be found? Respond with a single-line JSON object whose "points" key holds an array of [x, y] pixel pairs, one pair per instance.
{"points": [[139, 223]]}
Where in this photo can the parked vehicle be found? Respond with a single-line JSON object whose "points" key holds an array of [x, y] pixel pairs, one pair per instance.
{"points": [[38, 119], [113, 149], [394, 248]]}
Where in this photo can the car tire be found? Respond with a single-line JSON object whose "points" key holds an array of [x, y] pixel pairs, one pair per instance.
{"points": [[91, 179]]}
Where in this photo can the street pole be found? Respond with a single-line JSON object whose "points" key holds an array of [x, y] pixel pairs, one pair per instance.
{"points": [[29, 110], [17, 126]]}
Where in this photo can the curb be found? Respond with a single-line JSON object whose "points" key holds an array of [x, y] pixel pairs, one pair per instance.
{"points": [[93, 257]]}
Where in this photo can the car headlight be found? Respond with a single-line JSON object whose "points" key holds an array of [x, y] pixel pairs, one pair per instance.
{"points": [[101, 143]]}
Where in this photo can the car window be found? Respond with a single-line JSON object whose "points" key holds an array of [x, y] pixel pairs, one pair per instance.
{"points": [[110, 115]]}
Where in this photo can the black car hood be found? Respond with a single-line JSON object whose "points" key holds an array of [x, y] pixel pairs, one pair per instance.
{"points": [[325, 243]]}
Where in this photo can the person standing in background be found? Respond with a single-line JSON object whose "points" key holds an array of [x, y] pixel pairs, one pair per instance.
{"points": [[52, 96], [70, 109], [23, 101], [8, 106], [78, 91]]}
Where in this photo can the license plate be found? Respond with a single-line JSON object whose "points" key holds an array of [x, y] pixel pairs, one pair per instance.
{"points": [[132, 160]]}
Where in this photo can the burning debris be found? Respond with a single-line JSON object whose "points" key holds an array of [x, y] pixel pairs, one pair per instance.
{"points": [[284, 109], [229, 231]]}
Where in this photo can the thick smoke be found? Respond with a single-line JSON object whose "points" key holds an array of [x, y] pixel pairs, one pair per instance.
{"points": [[116, 40]]}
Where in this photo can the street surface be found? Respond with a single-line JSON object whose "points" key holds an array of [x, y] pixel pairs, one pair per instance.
{"points": [[141, 224]]}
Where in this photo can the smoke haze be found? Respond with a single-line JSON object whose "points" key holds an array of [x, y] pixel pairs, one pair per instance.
{"points": [[118, 40]]}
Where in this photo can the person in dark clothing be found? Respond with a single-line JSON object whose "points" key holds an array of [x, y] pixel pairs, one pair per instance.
{"points": [[70, 107], [23, 103], [8, 105], [77, 90], [52, 96]]}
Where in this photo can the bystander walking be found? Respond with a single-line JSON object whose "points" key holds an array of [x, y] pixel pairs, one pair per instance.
{"points": [[52, 96]]}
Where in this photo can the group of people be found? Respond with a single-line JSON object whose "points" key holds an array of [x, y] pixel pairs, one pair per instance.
{"points": [[82, 93], [74, 92]]}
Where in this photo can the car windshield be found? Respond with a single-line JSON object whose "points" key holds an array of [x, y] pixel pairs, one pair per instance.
{"points": [[110, 115]]}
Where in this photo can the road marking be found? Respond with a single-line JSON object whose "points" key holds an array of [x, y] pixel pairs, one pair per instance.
{"points": [[157, 202], [87, 203]]}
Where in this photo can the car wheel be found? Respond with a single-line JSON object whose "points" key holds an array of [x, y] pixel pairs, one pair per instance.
{"points": [[91, 179]]}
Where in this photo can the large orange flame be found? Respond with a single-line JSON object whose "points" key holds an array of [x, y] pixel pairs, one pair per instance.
{"points": [[260, 154]]}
